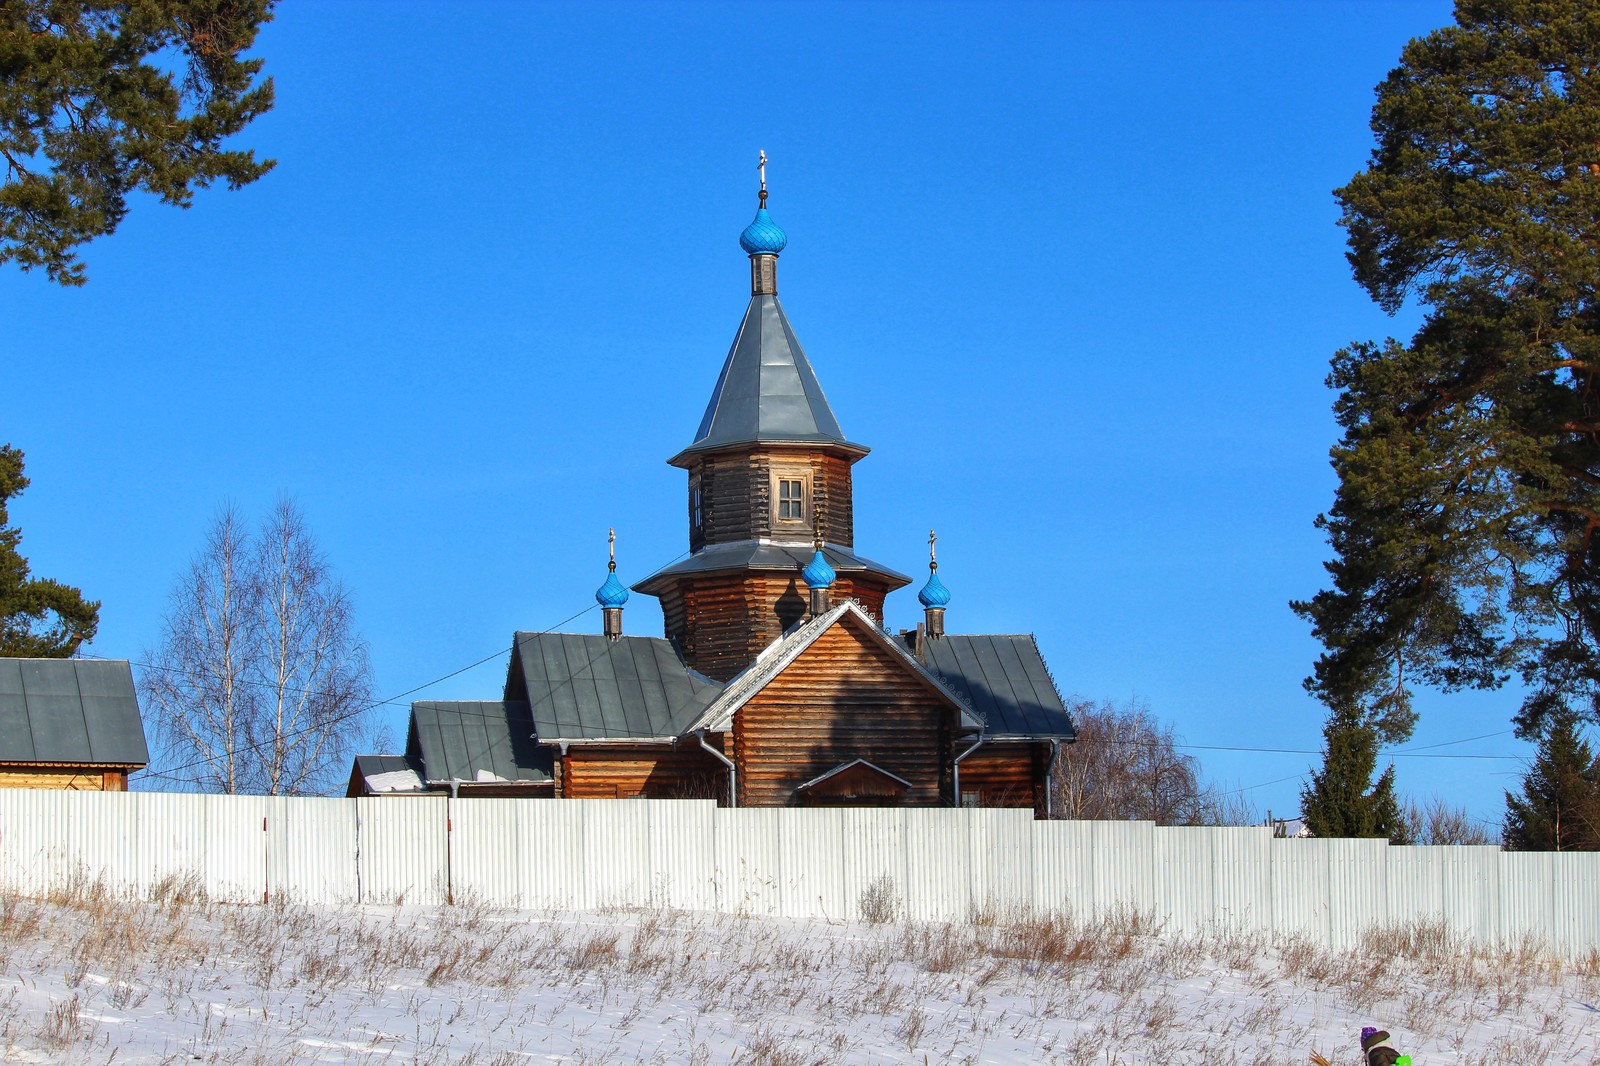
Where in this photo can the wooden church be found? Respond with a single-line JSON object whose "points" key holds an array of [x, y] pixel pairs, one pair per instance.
{"points": [[775, 683]]}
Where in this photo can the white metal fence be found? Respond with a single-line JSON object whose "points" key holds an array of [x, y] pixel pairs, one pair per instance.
{"points": [[937, 863]]}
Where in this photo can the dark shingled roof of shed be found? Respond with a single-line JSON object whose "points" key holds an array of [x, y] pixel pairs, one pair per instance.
{"points": [[453, 741], [80, 712], [1004, 679], [586, 687]]}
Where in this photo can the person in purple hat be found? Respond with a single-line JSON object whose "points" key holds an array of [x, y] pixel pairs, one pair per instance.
{"points": [[1379, 1052]]}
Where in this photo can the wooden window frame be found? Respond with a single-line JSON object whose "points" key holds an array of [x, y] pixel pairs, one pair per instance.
{"points": [[803, 476]]}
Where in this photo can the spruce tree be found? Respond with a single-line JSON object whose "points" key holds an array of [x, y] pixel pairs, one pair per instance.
{"points": [[1559, 809], [39, 618], [1341, 799]]}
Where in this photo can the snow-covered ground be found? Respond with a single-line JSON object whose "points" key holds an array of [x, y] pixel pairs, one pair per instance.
{"points": [[183, 981]]}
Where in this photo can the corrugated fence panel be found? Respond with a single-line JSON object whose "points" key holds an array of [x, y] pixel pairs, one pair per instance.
{"points": [[402, 848], [811, 856], [1299, 873], [1063, 867], [1416, 885], [682, 853], [1471, 890], [1241, 893], [170, 837], [616, 854], [938, 865], [1000, 843], [1124, 866], [749, 860], [235, 847], [1183, 878], [485, 850], [32, 860], [1577, 900], [1358, 893], [101, 840], [312, 849], [1527, 895], [550, 869], [874, 860]]}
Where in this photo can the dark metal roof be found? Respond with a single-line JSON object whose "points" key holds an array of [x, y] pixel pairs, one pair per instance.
{"points": [[1004, 679], [758, 555], [81, 712], [587, 687], [767, 391], [372, 765], [465, 739]]}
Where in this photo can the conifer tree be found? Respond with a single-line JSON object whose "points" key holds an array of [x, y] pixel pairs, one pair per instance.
{"points": [[1466, 526], [39, 618], [1559, 809], [1341, 799], [102, 98]]}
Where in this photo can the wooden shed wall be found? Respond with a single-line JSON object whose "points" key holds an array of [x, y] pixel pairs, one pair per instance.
{"points": [[71, 778], [844, 698], [659, 771], [1006, 774]]}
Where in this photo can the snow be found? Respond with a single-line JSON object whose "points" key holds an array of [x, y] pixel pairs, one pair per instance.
{"points": [[173, 981], [395, 781]]}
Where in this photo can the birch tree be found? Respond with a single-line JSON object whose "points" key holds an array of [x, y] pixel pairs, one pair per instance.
{"points": [[261, 682]]}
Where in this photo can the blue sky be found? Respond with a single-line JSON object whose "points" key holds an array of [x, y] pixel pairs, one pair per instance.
{"points": [[1071, 270]]}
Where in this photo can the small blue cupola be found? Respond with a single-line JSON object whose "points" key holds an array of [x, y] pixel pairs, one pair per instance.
{"points": [[818, 574], [934, 596], [763, 236], [611, 596]]}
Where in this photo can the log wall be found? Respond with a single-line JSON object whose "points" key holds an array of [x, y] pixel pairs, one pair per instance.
{"points": [[1005, 774], [736, 495], [844, 698], [653, 771], [719, 622]]}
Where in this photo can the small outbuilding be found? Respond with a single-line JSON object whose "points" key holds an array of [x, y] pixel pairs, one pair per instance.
{"points": [[69, 724]]}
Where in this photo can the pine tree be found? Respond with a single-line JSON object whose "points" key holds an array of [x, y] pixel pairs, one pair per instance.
{"points": [[102, 98], [39, 618], [1342, 800], [1559, 809], [1466, 527]]}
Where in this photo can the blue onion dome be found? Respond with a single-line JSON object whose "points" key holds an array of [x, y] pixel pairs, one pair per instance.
{"points": [[818, 574], [763, 236], [934, 594], [611, 594]]}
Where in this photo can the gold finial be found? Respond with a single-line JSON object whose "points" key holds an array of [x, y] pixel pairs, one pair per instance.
{"points": [[611, 547], [933, 554]]}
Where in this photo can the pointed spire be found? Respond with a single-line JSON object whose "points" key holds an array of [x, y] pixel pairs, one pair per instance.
{"points": [[611, 596], [767, 392], [934, 596]]}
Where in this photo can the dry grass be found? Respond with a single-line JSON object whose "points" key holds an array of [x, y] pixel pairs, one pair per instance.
{"points": [[179, 979]]}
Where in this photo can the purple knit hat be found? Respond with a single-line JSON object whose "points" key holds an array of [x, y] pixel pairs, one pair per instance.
{"points": [[1371, 1034]]}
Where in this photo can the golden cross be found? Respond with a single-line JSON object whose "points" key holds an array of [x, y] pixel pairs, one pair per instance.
{"points": [[762, 166], [933, 554]]}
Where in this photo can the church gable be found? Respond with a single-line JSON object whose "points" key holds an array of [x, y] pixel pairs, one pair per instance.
{"points": [[845, 696]]}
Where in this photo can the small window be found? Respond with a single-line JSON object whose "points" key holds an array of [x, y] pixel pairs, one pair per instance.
{"points": [[791, 501], [970, 799], [695, 515]]}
